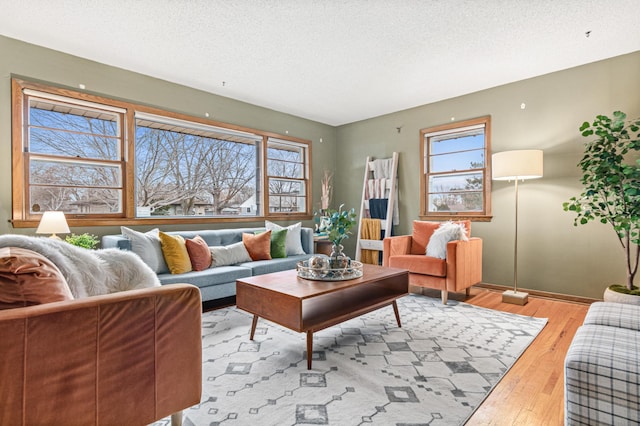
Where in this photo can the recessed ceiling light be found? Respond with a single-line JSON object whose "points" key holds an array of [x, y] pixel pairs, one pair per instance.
{"points": [[523, 105]]}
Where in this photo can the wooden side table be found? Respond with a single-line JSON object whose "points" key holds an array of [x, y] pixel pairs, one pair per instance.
{"points": [[322, 244]]}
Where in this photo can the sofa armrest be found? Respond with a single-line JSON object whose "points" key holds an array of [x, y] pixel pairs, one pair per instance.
{"points": [[306, 236], [394, 246], [464, 263], [132, 357]]}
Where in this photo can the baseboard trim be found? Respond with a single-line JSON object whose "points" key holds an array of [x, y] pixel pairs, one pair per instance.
{"points": [[543, 294]]}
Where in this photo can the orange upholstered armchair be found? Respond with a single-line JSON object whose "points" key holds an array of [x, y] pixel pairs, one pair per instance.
{"points": [[461, 268]]}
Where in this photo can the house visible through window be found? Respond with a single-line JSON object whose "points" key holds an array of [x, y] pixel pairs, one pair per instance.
{"points": [[73, 157], [189, 169], [454, 170], [99, 159]]}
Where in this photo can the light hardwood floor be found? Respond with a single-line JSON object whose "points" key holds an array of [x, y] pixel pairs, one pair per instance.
{"points": [[532, 392]]}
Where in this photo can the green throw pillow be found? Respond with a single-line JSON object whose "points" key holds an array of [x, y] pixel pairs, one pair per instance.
{"points": [[278, 239]]}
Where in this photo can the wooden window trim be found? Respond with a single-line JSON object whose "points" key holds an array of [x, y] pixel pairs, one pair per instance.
{"points": [[485, 215], [20, 214]]}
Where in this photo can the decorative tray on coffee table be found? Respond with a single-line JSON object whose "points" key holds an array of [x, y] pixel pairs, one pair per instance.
{"points": [[310, 270]]}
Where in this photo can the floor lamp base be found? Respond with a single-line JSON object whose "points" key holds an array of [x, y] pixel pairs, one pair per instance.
{"points": [[515, 297]]}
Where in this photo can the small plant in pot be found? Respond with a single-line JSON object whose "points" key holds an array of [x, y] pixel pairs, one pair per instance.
{"points": [[339, 227], [611, 186]]}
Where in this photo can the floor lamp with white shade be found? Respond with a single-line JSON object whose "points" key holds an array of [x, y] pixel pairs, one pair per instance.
{"points": [[516, 165]]}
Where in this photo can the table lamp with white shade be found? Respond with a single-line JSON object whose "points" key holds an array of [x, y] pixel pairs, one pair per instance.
{"points": [[53, 222], [516, 165]]}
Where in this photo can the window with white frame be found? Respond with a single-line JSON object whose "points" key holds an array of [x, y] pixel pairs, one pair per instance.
{"points": [[455, 170], [103, 161]]}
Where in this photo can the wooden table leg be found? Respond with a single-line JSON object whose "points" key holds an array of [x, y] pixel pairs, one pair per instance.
{"points": [[309, 348], [253, 326], [395, 311]]}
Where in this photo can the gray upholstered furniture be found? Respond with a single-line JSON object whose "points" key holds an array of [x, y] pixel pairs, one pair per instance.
{"points": [[602, 367], [220, 281]]}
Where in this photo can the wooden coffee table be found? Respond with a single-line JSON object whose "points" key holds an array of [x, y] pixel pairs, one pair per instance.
{"points": [[307, 306]]}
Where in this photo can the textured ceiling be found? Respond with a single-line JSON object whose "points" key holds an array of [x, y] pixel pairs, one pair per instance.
{"points": [[332, 61]]}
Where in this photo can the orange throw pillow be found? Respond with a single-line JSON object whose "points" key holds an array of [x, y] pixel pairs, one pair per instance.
{"points": [[28, 278], [258, 246], [199, 253]]}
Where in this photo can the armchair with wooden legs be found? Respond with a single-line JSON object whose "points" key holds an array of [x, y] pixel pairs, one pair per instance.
{"points": [[461, 268]]}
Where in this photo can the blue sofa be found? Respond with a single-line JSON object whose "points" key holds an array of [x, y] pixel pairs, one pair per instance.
{"points": [[220, 282]]}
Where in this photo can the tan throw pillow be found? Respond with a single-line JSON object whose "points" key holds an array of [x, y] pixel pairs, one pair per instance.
{"points": [[175, 253], [258, 246], [28, 278], [229, 255], [199, 253]]}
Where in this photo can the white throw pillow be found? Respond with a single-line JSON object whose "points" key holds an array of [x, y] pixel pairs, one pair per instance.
{"points": [[446, 232], [147, 246], [229, 255], [293, 242]]}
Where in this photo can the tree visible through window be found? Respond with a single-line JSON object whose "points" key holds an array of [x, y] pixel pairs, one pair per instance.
{"points": [[454, 169], [74, 158], [187, 170], [97, 158], [286, 176]]}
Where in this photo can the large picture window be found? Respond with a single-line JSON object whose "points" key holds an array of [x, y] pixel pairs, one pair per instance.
{"points": [[454, 170], [185, 169], [104, 161]]}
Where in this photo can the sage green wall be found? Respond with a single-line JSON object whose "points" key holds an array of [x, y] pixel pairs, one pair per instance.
{"points": [[554, 255], [19, 59]]}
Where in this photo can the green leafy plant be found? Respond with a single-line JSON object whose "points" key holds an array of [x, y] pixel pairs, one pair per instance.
{"points": [[340, 224], [85, 240], [611, 184]]}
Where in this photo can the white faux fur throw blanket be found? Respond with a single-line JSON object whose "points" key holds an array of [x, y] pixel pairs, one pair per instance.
{"points": [[89, 272]]}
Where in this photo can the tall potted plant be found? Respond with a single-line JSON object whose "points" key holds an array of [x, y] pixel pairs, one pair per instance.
{"points": [[611, 185]]}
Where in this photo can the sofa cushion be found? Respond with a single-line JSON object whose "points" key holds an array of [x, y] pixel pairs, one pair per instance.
{"points": [[420, 264], [261, 267], [614, 314], [278, 243], [258, 245], [209, 277], [229, 255], [293, 242], [199, 253], [174, 251], [28, 278], [147, 246]]}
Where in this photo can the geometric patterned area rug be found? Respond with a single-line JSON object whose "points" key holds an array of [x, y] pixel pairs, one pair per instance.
{"points": [[435, 370]]}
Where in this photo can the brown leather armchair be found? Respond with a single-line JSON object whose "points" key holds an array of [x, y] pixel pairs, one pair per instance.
{"points": [[127, 358], [461, 269]]}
